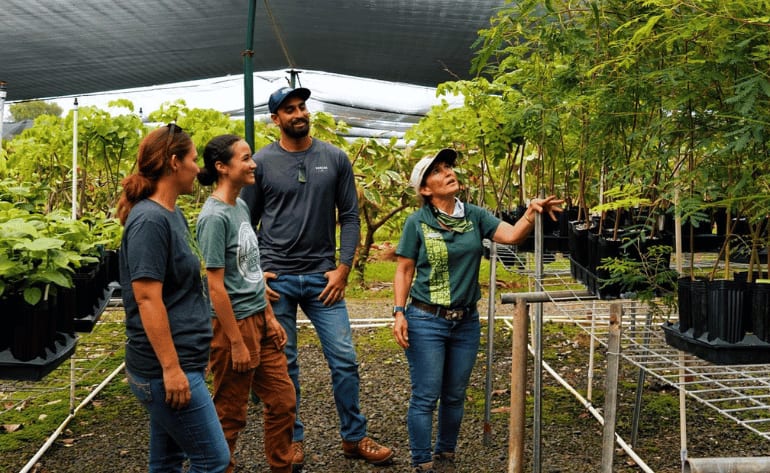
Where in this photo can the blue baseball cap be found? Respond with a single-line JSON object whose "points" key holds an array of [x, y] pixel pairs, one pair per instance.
{"points": [[277, 97]]}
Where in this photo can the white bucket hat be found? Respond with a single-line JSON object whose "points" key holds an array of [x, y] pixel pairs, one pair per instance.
{"points": [[447, 155]]}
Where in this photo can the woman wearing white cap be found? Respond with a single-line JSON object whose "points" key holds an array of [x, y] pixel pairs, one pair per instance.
{"points": [[439, 255]]}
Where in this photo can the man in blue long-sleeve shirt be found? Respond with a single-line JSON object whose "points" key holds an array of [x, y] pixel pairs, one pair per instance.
{"points": [[302, 184]]}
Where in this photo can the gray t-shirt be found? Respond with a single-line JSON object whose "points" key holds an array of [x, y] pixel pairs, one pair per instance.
{"points": [[295, 201], [156, 244], [227, 240]]}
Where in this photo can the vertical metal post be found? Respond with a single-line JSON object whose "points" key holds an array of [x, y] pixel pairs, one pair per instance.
{"points": [[490, 343], [538, 346], [678, 228], [682, 409], [75, 160], [3, 94], [518, 387], [72, 385], [591, 351], [640, 380], [611, 389], [248, 76]]}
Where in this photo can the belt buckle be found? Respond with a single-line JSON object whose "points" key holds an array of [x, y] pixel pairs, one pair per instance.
{"points": [[454, 314]]}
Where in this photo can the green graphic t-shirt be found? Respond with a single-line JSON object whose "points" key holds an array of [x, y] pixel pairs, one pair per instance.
{"points": [[446, 262]]}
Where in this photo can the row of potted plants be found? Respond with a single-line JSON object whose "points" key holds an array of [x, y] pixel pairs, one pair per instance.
{"points": [[725, 321], [612, 259], [53, 281]]}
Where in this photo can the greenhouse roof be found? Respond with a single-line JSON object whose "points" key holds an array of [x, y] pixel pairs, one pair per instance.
{"points": [[51, 48]]}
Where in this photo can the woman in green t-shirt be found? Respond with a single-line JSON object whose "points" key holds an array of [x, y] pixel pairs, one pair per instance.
{"points": [[439, 255]]}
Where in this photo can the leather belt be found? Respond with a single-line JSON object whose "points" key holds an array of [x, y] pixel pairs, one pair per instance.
{"points": [[444, 312]]}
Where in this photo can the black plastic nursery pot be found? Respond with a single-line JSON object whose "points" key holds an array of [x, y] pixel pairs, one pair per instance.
{"points": [[93, 291], [65, 305], [578, 242], [592, 245], [6, 321], [760, 310], [725, 310], [568, 215], [35, 339], [685, 303], [87, 323], [85, 289], [742, 277], [33, 328], [606, 248], [112, 260]]}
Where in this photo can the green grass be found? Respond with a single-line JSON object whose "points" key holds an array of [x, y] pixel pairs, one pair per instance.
{"points": [[39, 408]]}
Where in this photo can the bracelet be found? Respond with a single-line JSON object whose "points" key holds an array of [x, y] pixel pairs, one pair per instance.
{"points": [[529, 220]]}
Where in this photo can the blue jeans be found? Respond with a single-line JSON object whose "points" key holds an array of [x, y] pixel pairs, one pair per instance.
{"points": [[441, 357], [333, 328], [193, 432]]}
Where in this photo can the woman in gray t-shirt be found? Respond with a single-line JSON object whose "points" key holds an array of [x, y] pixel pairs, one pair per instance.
{"points": [[167, 316], [247, 348]]}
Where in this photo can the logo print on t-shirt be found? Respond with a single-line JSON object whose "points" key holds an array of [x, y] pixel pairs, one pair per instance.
{"points": [[248, 254]]}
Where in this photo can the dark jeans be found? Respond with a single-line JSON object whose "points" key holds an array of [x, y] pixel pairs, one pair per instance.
{"points": [[175, 434], [333, 328], [441, 357]]}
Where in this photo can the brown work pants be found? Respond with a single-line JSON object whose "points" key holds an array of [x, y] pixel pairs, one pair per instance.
{"points": [[270, 381]]}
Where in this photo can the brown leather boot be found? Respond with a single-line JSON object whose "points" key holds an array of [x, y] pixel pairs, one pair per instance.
{"points": [[298, 460], [369, 450], [444, 462], [424, 468]]}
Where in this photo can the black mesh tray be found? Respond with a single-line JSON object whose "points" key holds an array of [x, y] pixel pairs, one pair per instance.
{"points": [[748, 351], [37, 368]]}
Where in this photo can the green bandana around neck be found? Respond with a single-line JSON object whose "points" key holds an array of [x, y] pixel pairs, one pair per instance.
{"points": [[456, 224]]}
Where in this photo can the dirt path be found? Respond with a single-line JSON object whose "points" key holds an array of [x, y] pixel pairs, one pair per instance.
{"points": [[111, 434]]}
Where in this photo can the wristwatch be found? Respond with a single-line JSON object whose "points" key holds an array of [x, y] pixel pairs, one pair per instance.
{"points": [[398, 308]]}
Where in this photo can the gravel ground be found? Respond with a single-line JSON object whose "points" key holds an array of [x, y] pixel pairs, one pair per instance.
{"points": [[111, 435]]}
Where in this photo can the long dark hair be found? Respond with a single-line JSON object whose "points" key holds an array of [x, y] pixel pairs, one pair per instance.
{"points": [[152, 162], [219, 148]]}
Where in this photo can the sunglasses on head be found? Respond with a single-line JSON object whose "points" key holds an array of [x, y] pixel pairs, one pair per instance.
{"points": [[173, 128]]}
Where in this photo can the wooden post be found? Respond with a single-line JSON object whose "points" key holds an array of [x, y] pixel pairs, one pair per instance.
{"points": [[518, 387]]}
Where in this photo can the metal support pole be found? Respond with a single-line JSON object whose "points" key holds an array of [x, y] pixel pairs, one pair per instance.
{"points": [[75, 160], [518, 387], [248, 76], [640, 380], [591, 351], [611, 389], [538, 346], [727, 465], [490, 343], [682, 410], [545, 296], [3, 94]]}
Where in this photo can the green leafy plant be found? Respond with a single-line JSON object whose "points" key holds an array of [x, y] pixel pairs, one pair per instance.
{"points": [[37, 251]]}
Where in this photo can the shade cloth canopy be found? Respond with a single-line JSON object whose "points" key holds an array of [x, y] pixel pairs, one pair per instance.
{"points": [[51, 48]]}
